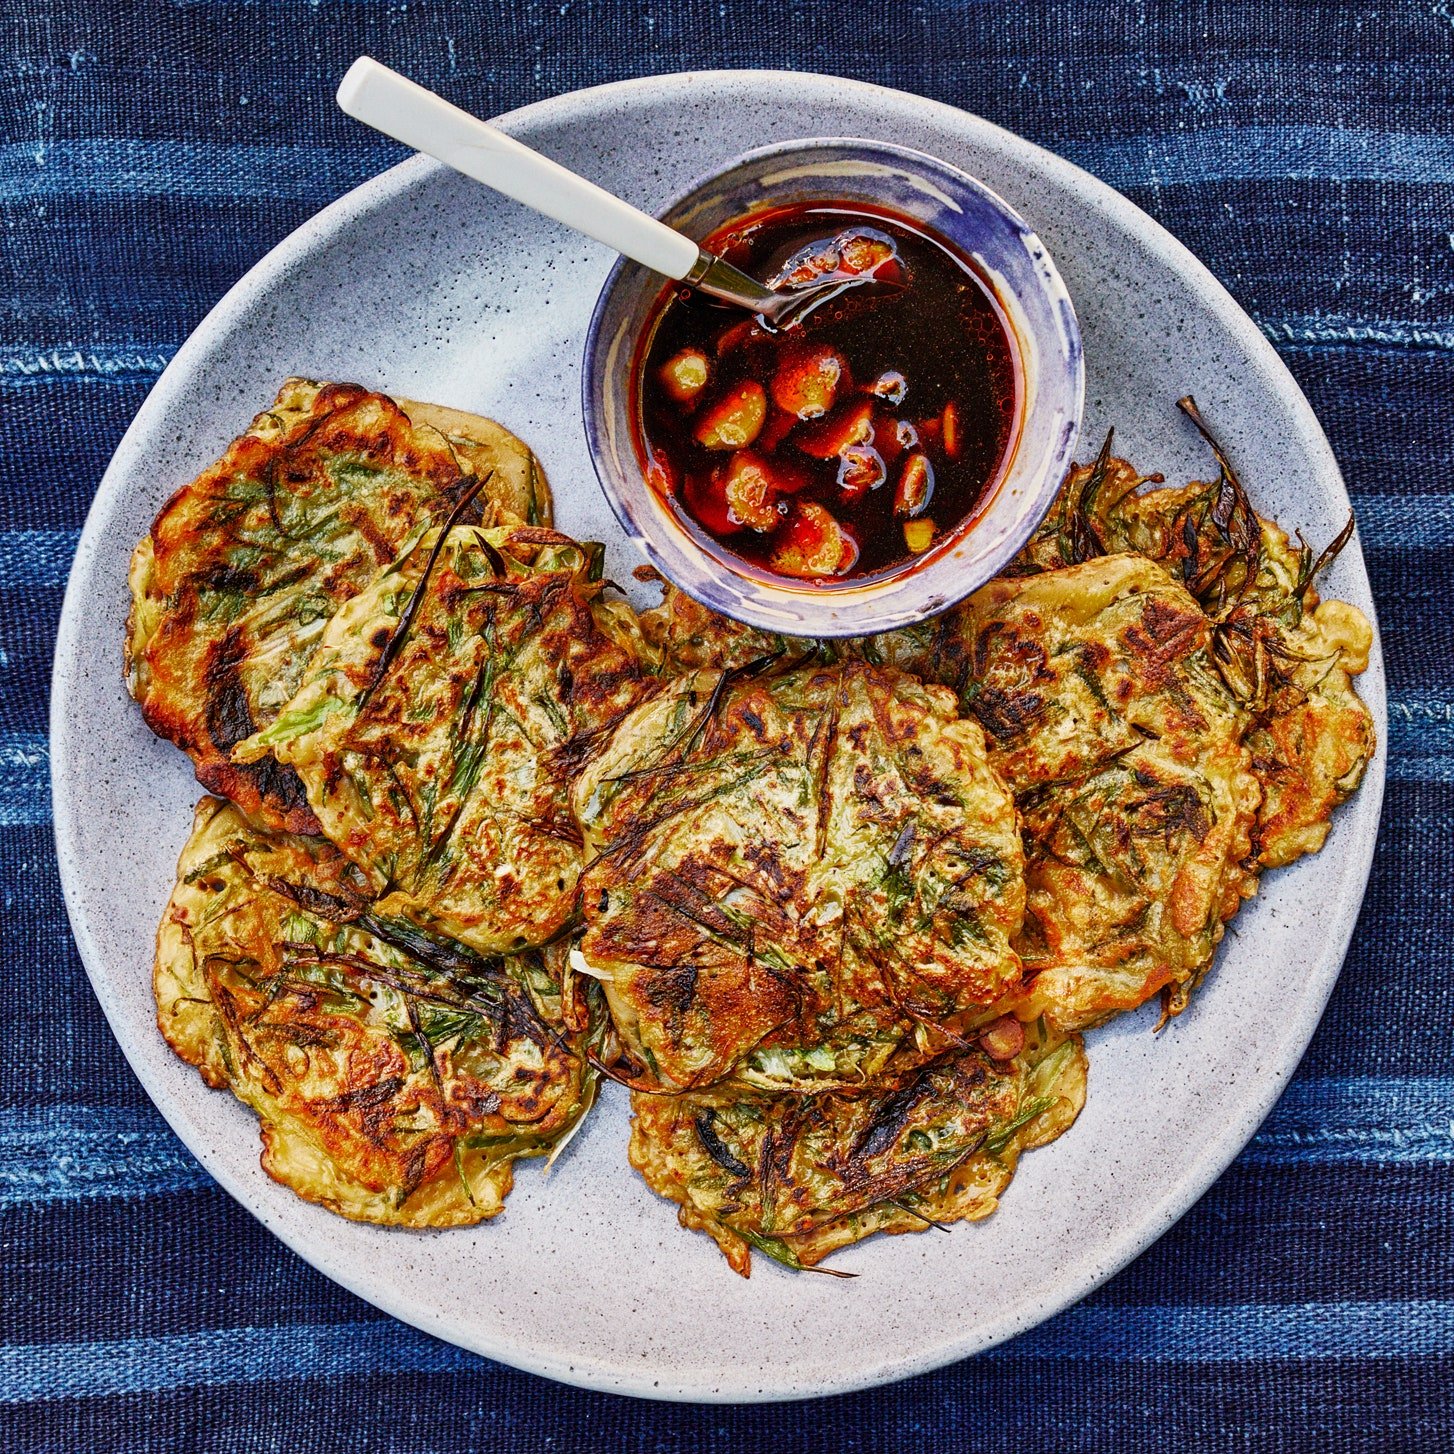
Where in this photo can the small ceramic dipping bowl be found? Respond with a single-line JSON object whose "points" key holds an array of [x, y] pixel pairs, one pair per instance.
{"points": [[1013, 264]]}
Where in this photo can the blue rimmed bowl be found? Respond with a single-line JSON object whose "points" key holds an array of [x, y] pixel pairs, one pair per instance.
{"points": [[1044, 334]]}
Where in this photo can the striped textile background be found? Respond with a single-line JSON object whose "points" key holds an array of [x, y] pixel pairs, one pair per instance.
{"points": [[150, 152]]}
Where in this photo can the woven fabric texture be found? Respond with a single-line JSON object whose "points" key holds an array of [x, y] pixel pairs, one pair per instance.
{"points": [[151, 152]]}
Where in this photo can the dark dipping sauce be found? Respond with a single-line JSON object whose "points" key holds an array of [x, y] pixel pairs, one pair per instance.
{"points": [[864, 435]]}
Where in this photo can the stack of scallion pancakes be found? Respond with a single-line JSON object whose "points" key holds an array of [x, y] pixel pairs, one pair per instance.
{"points": [[481, 836]]}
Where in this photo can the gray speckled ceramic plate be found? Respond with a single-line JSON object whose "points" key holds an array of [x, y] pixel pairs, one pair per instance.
{"points": [[425, 285]]}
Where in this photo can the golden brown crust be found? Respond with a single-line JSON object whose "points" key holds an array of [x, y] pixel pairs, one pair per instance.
{"points": [[517, 483], [395, 1076], [797, 1177], [795, 876], [685, 636], [1312, 743], [1106, 715], [242, 567], [439, 725], [1288, 660], [1131, 873]]}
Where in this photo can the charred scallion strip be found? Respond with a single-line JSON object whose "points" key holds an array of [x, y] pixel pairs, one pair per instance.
{"points": [[889, 1120], [1231, 513], [1333, 550], [444, 956], [716, 1148], [1085, 540], [395, 643]]}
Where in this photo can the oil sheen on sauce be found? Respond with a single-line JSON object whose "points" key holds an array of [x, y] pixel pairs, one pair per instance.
{"points": [[859, 438]]}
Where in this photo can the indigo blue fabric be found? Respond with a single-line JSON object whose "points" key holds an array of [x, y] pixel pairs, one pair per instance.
{"points": [[151, 152]]}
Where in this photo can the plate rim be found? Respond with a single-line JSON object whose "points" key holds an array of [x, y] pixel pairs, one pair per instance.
{"points": [[1111, 1254]]}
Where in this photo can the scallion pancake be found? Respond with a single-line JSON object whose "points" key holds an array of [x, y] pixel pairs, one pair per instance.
{"points": [[242, 569], [396, 1075], [797, 878], [442, 719], [796, 1177]]}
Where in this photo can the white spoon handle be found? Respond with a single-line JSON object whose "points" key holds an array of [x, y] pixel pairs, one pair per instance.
{"points": [[395, 105]]}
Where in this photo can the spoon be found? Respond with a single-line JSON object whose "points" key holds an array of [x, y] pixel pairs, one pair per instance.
{"points": [[401, 109]]}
